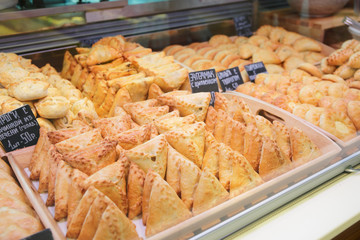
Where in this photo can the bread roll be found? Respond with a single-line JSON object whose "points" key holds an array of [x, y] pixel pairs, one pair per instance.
{"points": [[53, 107]]}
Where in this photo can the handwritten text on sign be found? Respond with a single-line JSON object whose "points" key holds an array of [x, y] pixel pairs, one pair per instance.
{"points": [[204, 81], [255, 69], [19, 129], [230, 79]]}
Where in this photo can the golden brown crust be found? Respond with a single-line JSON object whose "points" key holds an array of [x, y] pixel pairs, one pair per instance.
{"points": [[208, 193], [135, 186], [252, 146], [62, 185], [302, 148], [339, 57]]}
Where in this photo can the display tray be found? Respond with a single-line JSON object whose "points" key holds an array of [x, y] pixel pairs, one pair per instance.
{"points": [[20, 159], [257, 108]]}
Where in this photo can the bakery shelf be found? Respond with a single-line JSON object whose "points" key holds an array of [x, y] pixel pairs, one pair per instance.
{"points": [[245, 208]]}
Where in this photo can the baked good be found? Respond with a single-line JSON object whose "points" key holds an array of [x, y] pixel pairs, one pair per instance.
{"points": [[353, 108], [208, 193], [150, 155], [302, 148], [339, 57], [53, 107], [28, 89], [306, 44]]}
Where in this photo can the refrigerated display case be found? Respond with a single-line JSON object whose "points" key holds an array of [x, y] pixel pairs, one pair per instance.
{"points": [[50, 32]]}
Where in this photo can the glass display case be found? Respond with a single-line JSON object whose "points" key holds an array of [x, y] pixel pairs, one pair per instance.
{"points": [[47, 32]]}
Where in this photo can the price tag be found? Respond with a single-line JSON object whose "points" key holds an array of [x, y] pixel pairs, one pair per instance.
{"points": [[19, 129], [204, 81], [42, 235], [243, 26], [230, 79], [255, 69]]}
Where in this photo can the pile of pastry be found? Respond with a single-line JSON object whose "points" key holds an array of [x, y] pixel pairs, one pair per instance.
{"points": [[327, 101], [163, 159], [54, 100], [114, 70], [18, 219], [280, 50]]}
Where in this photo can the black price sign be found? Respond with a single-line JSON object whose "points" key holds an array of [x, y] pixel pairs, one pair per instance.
{"points": [[204, 81], [243, 26], [255, 69], [230, 79], [42, 235], [19, 129]]}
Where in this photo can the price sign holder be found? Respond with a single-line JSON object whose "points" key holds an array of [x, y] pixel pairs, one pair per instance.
{"points": [[230, 79], [42, 235], [254, 69], [18, 129], [204, 81], [243, 26]]}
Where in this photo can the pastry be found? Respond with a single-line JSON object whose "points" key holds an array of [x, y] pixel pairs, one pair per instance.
{"points": [[90, 159], [219, 39], [79, 141], [313, 115], [276, 34], [74, 227], [208, 193], [133, 137], [282, 140], [345, 71], [77, 190], [339, 57], [338, 124], [11, 188], [353, 108], [314, 71], [252, 146], [168, 124], [115, 224], [53, 107], [62, 185], [189, 142], [325, 67], [28, 89], [111, 181], [306, 44], [302, 148], [265, 56], [135, 187], [150, 155], [196, 103], [53, 162], [243, 176]]}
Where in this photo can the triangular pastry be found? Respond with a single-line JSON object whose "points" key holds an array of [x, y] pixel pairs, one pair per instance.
{"points": [[196, 103], [302, 148], [154, 91], [63, 134], [221, 125], [252, 146], [226, 156], [133, 137], [54, 159], [121, 98], [115, 225], [150, 155], [209, 193], [211, 118], [74, 227], [135, 186], [113, 125], [69, 64], [173, 169], [76, 190], [41, 154], [211, 158], [93, 217], [168, 124], [165, 208], [190, 141], [149, 180], [143, 116], [79, 141], [129, 107], [6, 168], [237, 136], [271, 162], [265, 127], [92, 158], [243, 176], [168, 98], [62, 186], [102, 53], [306, 44], [190, 174], [138, 88], [111, 180], [282, 139]]}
